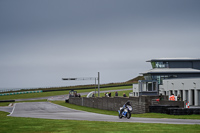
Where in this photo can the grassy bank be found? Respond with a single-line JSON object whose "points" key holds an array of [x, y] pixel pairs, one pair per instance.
{"points": [[54, 93], [35, 125]]}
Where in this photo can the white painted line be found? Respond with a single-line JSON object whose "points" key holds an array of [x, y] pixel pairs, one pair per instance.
{"points": [[12, 110]]}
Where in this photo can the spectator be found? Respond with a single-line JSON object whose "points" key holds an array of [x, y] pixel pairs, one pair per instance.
{"points": [[179, 97], [75, 94], [172, 98], [79, 95], [124, 95], [116, 93], [109, 94], [92, 94], [161, 97]]}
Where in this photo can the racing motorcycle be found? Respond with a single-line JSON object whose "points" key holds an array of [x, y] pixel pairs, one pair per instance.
{"points": [[125, 111]]}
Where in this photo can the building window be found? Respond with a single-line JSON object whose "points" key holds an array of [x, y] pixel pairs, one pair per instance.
{"points": [[161, 64], [173, 76], [160, 78]]}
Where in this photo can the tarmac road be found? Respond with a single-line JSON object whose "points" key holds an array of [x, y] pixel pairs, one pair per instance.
{"points": [[49, 110]]}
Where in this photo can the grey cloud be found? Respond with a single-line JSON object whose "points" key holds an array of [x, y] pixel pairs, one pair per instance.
{"points": [[42, 41]]}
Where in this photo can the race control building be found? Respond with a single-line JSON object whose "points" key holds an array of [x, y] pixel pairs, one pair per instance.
{"points": [[178, 76]]}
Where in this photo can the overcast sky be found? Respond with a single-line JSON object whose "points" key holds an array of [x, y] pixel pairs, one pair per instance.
{"points": [[42, 41]]}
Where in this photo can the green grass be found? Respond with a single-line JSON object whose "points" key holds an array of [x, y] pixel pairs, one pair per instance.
{"points": [[54, 93], [35, 125], [145, 115], [120, 93]]}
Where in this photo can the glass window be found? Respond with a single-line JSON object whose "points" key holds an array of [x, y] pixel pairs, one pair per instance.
{"points": [[149, 86], [173, 76], [154, 86], [166, 65], [147, 77], [160, 64]]}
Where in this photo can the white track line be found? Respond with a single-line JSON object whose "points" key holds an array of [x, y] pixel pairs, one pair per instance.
{"points": [[12, 110]]}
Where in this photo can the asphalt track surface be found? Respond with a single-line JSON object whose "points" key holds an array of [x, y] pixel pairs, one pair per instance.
{"points": [[49, 110]]}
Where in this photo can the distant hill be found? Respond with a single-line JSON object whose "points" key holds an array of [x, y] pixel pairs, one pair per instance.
{"points": [[90, 86], [135, 80]]}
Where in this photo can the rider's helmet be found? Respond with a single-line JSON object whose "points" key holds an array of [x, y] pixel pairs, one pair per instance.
{"points": [[128, 103]]}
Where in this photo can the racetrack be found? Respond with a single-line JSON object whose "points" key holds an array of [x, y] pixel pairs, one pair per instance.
{"points": [[49, 110]]}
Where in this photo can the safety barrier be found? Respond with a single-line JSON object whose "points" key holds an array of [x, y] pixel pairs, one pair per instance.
{"points": [[1, 101], [173, 110], [23, 92], [183, 111]]}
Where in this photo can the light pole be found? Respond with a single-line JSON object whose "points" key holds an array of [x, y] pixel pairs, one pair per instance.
{"points": [[88, 78], [98, 83]]}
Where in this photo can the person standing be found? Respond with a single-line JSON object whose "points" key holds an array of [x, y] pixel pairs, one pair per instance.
{"points": [[160, 97], [116, 93], [179, 97], [124, 95], [109, 94], [172, 97]]}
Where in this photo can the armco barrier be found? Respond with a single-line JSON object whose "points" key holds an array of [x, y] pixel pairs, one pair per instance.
{"points": [[24, 92]]}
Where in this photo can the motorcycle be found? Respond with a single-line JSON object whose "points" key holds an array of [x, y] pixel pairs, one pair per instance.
{"points": [[125, 111]]}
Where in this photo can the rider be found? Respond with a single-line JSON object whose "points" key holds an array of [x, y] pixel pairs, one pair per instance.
{"points": [[124, 106]]}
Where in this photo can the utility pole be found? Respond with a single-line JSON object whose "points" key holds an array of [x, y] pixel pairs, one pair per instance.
{"points": [[98, 83]]}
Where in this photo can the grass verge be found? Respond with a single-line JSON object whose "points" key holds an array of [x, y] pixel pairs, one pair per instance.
{"points": [[145, 115], [35, 125], [120, 93]]}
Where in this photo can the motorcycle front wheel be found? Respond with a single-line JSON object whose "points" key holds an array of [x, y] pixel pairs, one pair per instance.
{"points": [[128, 115], [120, 116]]}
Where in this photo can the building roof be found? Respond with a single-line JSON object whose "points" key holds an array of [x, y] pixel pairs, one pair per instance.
{"points": [[171, 70], [174, 59]]}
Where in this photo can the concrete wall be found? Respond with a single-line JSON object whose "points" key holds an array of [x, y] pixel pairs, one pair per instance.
{"points": [[140, 104]]}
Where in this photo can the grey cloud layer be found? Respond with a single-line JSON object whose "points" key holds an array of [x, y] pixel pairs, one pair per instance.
{"points": [[42, 41]]}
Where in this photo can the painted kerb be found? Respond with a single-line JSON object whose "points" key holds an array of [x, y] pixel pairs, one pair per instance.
{"points": [[24, 92]]}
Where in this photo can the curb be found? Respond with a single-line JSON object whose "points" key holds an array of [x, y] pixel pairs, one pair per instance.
{"points": [[24, 92]]}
